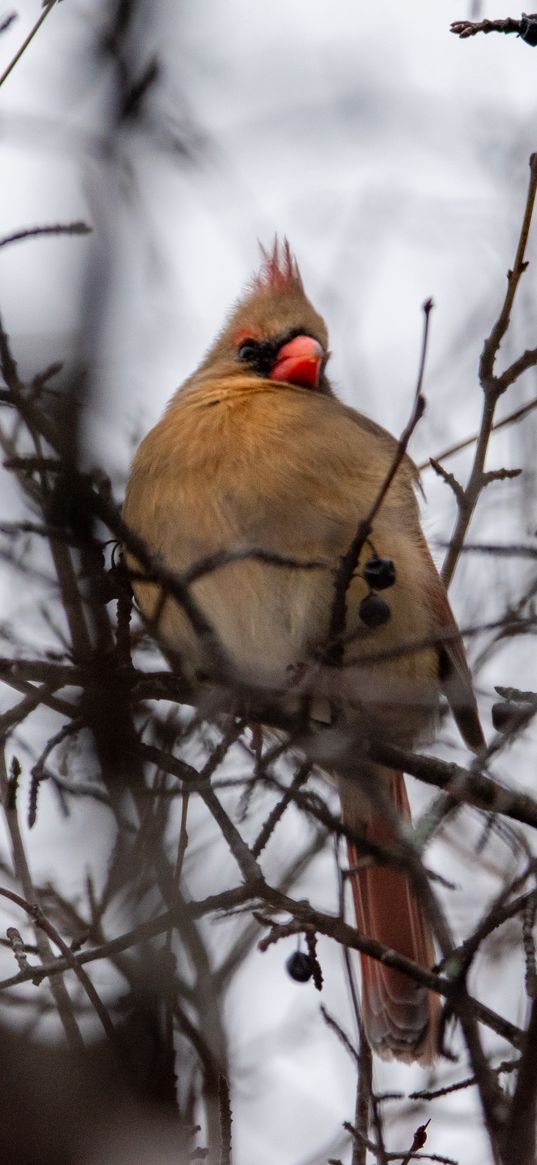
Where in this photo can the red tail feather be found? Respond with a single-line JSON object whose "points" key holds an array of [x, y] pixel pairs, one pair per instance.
{"points": [[399, 1015]]}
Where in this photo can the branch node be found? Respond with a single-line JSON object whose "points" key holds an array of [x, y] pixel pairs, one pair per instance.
{"points": [[448, 477]]}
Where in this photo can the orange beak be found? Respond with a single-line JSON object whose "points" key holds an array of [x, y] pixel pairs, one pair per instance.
{"points": [[299, 362]]}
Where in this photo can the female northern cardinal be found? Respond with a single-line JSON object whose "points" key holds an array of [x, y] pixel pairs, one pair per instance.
{"points": [[255, 451]]}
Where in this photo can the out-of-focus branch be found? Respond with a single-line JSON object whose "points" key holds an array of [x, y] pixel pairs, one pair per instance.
{"points": [[306, 916], [519, 1134], [42, 923], [7, 21], [465, 785], [66, 1015]]}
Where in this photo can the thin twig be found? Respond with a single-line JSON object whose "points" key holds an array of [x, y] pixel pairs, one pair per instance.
{"points": [[64, 1006], [349, 560], [27, 41], [419, 1140], [517, 415], [524, 28], [492, 385], [71, 228], [43, 923], [268, 827]]}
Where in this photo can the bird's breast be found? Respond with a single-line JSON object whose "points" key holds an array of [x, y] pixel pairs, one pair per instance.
{"points": [[287, 474]]}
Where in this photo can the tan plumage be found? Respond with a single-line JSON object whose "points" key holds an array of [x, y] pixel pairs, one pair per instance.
{"points": [[241, 459]]}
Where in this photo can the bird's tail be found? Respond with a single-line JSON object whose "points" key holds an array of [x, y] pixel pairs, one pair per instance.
{"points": [[400, 1016]]}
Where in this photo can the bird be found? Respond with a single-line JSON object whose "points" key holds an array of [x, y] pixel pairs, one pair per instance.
{"points": [[250, 489]]}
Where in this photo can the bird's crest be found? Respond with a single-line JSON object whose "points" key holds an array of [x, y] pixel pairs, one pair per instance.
{"points": [[279, 269]]}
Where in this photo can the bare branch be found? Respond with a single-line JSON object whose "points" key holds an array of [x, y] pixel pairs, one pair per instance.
{"points": [[47, 9], [43, 923], [493, 386], [517, 415], [349, 561], [448, 478], [71, 228], [525, 28]]}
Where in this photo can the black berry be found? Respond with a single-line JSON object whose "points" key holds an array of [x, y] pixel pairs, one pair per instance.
{"points": [[379, 573], [299, 967], [373, 611]]}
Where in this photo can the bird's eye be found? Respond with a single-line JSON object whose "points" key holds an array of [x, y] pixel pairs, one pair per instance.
{"points": [[248, 350]]}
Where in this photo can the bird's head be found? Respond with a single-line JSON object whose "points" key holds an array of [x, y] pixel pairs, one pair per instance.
{"points": [[274, 331]]}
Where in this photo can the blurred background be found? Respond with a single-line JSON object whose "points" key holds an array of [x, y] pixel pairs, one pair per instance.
{"points": [[394, 157]]}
